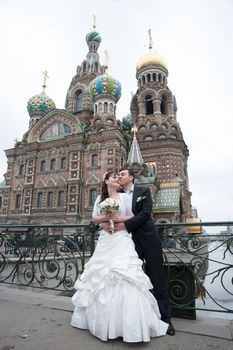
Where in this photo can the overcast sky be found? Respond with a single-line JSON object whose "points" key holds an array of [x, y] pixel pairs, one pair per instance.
{"points": [[194, 36]]}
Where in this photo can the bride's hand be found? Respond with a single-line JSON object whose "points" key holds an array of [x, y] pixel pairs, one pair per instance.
{"points": [[114, 216]]}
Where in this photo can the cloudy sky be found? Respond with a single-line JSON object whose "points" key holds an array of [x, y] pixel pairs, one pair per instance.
{"points": [[194, 36]]}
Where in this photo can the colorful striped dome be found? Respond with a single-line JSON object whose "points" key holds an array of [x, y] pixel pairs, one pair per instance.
{"points": [[105, 85], [40, 103]]}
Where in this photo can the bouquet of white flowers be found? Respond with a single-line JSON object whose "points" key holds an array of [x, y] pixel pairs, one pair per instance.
{"points": [[110, 205]]}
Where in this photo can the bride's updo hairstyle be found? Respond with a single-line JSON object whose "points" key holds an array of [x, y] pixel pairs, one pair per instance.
{"points": [[104, 189]]}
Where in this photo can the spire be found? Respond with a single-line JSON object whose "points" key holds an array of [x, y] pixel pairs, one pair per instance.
{"points": [[134, 153], [106, 62], [45, 73]]}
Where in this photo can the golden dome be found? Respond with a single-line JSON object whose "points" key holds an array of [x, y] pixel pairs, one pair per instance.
{"points": [[151, 58]]}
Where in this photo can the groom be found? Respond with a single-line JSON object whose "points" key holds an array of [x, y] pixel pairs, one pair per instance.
{"points": [[147, 241]]}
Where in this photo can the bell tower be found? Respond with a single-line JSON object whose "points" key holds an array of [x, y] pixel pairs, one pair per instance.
{"points": [[153, 108], [78, 98]]}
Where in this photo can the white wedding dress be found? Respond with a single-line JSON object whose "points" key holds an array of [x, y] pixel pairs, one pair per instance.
{"points": [[113, 298]]}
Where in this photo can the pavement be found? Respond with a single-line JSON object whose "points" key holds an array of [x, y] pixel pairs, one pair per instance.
{"points": [[40, 320]]}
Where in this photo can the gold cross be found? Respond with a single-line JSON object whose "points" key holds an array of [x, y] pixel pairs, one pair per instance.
{"points": [[134, 130], [94, 22], [150, 40], [45, 73]]}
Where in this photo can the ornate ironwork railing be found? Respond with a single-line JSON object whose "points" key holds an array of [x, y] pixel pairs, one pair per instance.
{"points": [[199, 267]]}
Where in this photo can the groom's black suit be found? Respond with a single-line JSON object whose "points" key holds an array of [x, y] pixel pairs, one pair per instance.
{"points": [[148, 246]]}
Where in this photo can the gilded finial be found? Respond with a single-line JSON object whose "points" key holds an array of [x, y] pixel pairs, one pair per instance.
{"points": [[150, 40], [94, 22], [45, 73], [134, 130], [106, 60]]}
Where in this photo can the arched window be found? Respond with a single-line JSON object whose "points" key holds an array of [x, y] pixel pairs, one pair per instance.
{"points": [[50, 197], [79, 104], [92, 197], [21, 169], [105, 107], [61, 199], [149, 105], [42, 166], [100, 108], [18, 201], [143, 79], [111, 109], [0, 201], [163, 105], [154, 77], [63, 163], [148, 77], [53, 164], [40, 199], [94, 160]]}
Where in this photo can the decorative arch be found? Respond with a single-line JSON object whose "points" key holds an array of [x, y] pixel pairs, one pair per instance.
{"points": [[148, 138], [61, 182], [51, 183], [18, 187], [40, 184], [165, 97], [92, 180], [109, 121], [56, 119], [163, 220]]}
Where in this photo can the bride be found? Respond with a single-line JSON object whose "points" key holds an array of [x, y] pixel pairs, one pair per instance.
{"points": [[113, 296]]}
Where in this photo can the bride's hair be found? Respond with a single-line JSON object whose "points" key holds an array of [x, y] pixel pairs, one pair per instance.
{"points": [[104, 188]]}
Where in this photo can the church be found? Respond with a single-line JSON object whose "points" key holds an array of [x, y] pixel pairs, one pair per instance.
{"points": [[54, 173]]}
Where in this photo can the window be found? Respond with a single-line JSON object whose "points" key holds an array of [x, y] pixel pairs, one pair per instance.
{"points": [[17, 201], [61, 199], [94, 160], [149, 105], [93, 195], [42, 166], [21, 169], [63, 163], [50, 199], [53, 164], [105, 107], [79, 100], [0, 201], [40, 199]]}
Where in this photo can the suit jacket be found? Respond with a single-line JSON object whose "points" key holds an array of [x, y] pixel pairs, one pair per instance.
{"points": [[141, 225]]}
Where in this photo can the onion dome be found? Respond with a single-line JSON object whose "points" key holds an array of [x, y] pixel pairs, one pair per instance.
{"points": [[93, 36], [151, 58], [127, 123], [105, 85], [40, 104]]}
